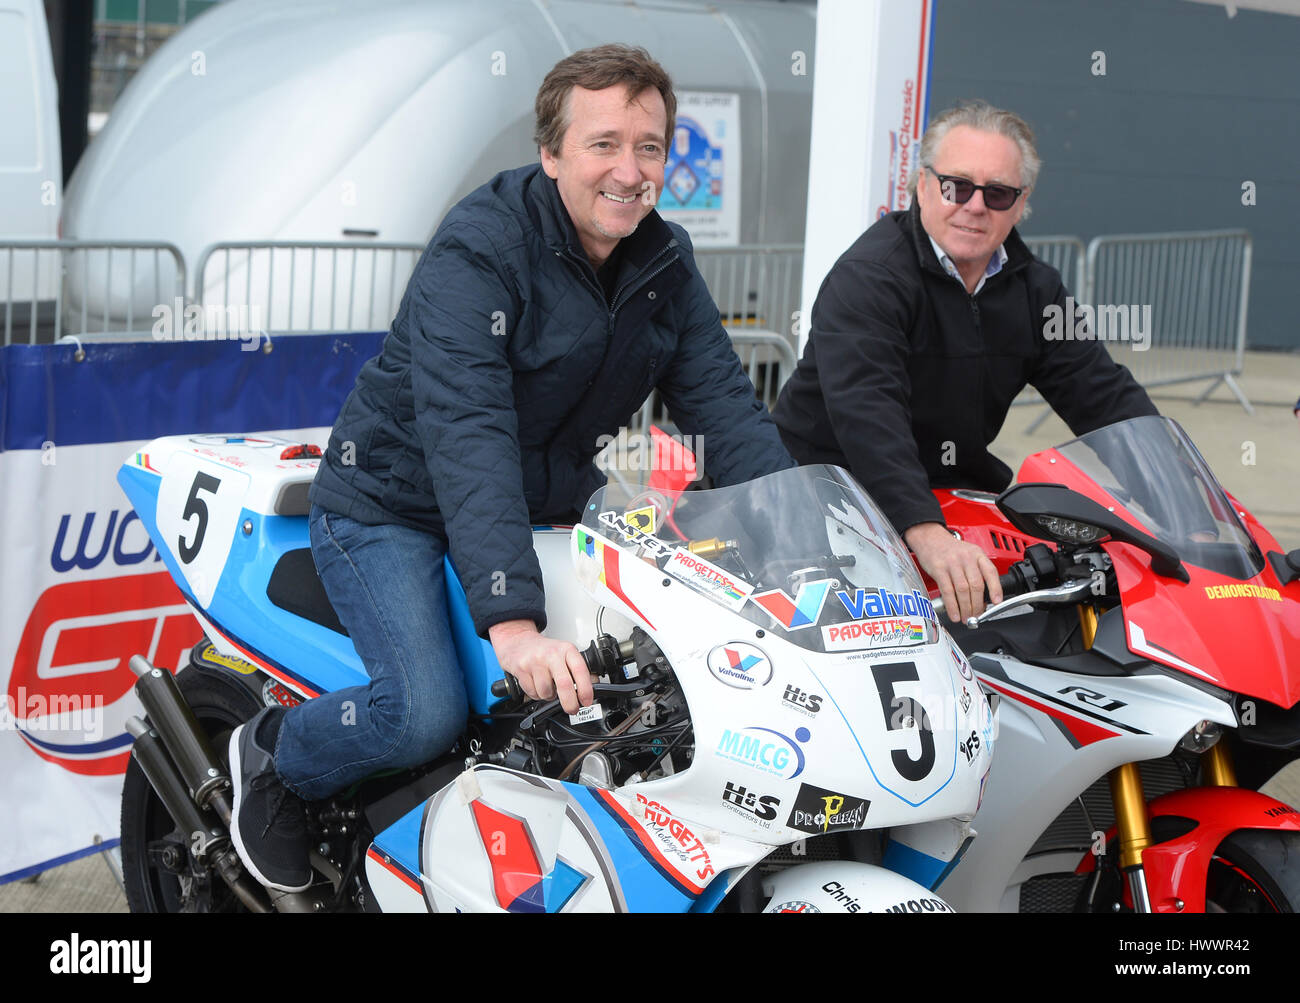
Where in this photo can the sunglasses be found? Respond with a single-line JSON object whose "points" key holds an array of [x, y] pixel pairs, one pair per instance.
{"points": [[960, 190]]}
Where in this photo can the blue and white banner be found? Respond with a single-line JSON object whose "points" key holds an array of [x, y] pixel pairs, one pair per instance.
{"points": [[82, 588]]}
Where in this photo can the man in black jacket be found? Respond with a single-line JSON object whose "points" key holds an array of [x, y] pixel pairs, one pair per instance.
{"points": [[548, 305], [926, 329]]}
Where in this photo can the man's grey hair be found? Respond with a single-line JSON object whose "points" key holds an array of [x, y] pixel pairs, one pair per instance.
{"points": [[982, 116]]}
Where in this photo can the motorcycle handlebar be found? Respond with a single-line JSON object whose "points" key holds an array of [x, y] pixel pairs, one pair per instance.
{"points": [[1013, 584]]}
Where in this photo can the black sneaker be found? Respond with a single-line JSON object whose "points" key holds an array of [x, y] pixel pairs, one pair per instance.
{"points": [[268, 824]]}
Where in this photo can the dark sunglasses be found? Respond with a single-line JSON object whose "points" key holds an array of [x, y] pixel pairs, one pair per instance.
{"points": [[960, 190]]}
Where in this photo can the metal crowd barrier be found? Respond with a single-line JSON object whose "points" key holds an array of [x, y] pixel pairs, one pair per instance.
{"points": [[305, 287], [755, 285], [89, 289], [1197, 286], [767, 357], [1194, 287], [1066, 255]]}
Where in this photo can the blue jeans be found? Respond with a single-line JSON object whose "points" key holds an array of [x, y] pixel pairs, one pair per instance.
{"points": [[386, 584]]}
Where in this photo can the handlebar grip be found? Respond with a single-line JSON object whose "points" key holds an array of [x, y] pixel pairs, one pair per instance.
{"points": [[507, 686], [1013, 584]]}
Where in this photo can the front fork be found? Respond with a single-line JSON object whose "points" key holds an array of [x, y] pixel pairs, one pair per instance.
{"points": [[1131, 818]]}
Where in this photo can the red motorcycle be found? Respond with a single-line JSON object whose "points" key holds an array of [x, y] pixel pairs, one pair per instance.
{"points": [[1146, 665]]}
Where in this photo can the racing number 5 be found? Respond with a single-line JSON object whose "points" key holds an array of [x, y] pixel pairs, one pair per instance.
{"points": [[194, 505], [898, 710]]}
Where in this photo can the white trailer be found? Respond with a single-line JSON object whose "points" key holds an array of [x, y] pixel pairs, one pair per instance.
{"points": [[31, 166], [320, 122]]}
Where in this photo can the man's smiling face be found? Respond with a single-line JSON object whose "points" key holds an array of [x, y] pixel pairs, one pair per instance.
{"points": [[610, 168], [971, 232]]}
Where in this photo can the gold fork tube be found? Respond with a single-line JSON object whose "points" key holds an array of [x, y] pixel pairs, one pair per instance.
{"points": [[1130, 814], [1216, 765], [1088, 624]]}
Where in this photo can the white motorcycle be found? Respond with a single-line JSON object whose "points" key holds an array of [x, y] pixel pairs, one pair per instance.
{"points": [[774, 696]]}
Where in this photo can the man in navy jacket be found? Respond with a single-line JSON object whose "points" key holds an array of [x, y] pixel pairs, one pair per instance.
{"points": [[549, 304]]}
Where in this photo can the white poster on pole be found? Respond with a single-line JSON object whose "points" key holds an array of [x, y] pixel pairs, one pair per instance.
{"points": [[702, 175], [870, 96]]}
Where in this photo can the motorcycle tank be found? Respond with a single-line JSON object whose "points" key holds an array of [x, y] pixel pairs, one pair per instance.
{"points": [[824, 694]]}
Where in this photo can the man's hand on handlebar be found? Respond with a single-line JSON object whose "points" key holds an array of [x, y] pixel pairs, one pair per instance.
{"points": [[961, 570], [545, 667]]}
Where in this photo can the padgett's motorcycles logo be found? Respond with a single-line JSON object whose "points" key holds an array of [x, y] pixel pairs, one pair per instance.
{"points": [[68, 689]]}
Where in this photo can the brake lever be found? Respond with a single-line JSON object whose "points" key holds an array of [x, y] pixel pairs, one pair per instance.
{"points": [[550, 706], [1059, 595]]}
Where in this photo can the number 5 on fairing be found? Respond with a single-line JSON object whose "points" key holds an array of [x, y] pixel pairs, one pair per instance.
{"points": [[194, 505], [898, 711]]}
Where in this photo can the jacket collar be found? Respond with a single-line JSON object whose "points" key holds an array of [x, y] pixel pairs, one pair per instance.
{"points": [[1018, 255]]}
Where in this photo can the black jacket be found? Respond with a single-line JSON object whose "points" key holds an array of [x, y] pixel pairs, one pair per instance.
{"points": [[504, 366], [906, 378]]}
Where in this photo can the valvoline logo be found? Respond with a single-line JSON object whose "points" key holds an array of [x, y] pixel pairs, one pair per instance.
{"points": [[518, 879], [794, 614], [870, 603], [70, 688], [741, 665]]}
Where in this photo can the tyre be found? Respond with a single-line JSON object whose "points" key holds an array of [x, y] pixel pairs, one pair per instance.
{"points": [[158, 872], [1255, 870]]}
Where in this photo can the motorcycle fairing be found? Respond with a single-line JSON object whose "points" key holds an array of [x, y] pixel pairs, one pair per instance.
{"points": [[1040, 767], [1176, 869], [240, 617], [1163, 615], [500, 840], [1091, 709], [860, 763], [1162, 626]]}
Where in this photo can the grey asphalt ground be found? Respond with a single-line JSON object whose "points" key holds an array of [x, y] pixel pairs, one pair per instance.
{"points": [[1256, 457]]}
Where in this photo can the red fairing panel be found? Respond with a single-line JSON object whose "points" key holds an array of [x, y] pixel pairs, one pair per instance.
{"points": [[981, 523], [1176, 870], [1241, 635]]}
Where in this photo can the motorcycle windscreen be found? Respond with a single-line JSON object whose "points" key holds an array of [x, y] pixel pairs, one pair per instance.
{"points": [[804, 552], [1233, 623]]}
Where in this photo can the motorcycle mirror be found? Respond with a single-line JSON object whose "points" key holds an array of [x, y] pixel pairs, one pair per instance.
{"points": [[1285, 566], [1055, 512]]}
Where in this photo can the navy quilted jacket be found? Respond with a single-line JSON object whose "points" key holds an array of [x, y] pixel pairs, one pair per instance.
{"points": [[505, 365]]}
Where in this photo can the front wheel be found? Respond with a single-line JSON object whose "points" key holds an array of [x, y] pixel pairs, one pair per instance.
{"points": [[158, 870], [1255, 870]]}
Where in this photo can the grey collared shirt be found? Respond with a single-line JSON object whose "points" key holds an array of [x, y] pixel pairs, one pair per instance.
{"points": [[996, 261]]}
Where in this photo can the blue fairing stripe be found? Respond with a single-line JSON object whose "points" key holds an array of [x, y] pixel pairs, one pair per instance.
{"points": [[400, 842], [911, 863], [645, 888]]}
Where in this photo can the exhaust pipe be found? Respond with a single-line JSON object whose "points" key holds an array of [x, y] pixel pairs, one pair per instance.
{"points": [[207, 782], [209, 843]]}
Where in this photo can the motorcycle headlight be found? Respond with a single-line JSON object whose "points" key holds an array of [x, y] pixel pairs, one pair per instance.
{"points": [[1069, 530]]}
